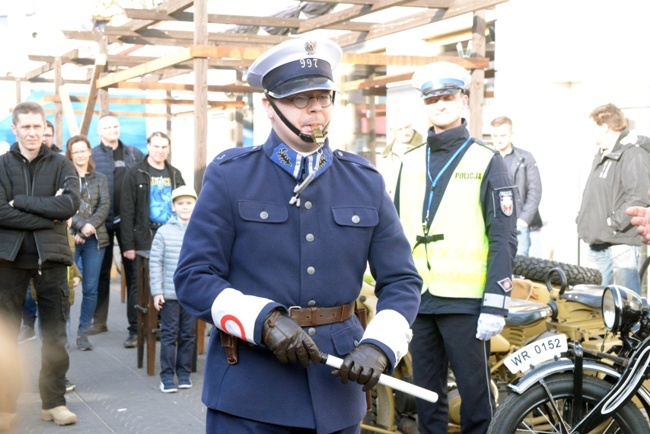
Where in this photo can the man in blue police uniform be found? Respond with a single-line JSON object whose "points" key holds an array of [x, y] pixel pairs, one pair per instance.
{"points": [[274, 257], [456, 203]]}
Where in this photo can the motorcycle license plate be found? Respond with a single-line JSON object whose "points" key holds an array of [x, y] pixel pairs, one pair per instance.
{"points": [[537, 352]]}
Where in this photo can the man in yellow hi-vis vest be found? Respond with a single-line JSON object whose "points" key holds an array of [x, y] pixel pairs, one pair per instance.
{"points": [[456, 203]]}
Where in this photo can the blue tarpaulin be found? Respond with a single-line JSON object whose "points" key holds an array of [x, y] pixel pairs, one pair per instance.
{"points": [[133, 129]]}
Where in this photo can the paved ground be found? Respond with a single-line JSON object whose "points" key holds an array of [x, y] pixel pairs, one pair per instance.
{"points": [[112, 394]]}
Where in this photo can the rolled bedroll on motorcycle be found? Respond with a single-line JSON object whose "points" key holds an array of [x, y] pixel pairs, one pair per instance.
{"points": [[585, 390]]}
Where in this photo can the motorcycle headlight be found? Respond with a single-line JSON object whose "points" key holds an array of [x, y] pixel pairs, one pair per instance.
{"points": [[621, 308]]}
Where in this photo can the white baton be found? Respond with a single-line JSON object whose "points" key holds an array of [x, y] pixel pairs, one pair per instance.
{"points": [[387, 380]]}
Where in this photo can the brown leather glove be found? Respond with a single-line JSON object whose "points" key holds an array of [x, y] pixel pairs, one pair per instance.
{"points": [[288, 340], [364, 364]]}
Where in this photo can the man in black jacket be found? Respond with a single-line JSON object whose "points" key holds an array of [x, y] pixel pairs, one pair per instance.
{"points": [[37, 196], [525, 174], [146, 205], [112, 158]]}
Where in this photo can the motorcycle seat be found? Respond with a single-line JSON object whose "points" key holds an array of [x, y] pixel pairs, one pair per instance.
{"points": [[589, 295], [523, 312]]}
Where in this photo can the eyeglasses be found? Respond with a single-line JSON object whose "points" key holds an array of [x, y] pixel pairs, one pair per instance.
{"points": [[302, 101]]}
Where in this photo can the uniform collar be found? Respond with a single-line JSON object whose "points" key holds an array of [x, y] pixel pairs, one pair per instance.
{"points": [[450, 139], [297, 165]]}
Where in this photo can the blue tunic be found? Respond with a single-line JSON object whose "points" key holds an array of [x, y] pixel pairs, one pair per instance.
{"points": [[245, 235]]}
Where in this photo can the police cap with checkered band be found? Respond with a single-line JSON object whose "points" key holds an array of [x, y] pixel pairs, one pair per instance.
{"points": [[441, 78]]}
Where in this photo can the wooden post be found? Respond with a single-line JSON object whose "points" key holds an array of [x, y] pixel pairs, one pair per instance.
{"points": [[372, 130], [238, 113], [19, 96], [200, 93], [103, 93], [477, 92], [58, 108]]}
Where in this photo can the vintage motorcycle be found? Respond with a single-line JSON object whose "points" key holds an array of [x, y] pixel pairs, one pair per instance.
{"points": [[581, 390], [536, 308]]}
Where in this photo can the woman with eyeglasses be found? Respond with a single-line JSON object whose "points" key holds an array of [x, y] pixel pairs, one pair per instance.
{"points": [[88, 229]]}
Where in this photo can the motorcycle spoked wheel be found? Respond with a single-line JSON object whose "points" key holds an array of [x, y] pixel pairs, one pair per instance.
{"points": [[536, 269], [532, 411]]}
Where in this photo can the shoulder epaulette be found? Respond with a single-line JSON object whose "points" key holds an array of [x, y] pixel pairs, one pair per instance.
{"points": [[416, 147], [485, 145], [235, 153], [353, 158]]}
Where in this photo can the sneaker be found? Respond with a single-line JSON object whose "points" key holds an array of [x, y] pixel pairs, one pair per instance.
{"points": [[83, 343], [184, 383], [168, 386], [69, 387], [131, 341], [27, 334], [7, 421], [96, 329], [59, 415]]}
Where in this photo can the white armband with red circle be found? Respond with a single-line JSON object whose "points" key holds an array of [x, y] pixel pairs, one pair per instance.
{"points": [[235, 313]]}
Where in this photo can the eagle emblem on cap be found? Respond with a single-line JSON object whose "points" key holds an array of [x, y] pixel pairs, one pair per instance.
{"points": [[310, 47]]}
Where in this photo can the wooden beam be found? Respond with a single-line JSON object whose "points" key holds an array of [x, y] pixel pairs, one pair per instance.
{"points": [[457, 8], [416, 3], [82, 35], [176, 37], [68, 112], [400, 60], [146, 68], [216, 106], [131, 61], [37, 72], [208, 51], [170, 6], [477, 86], [239, 20], [200, 94], [58, 120], [347, 14], [134, 100], [118, 114], [65, 57], [374, 81], [102, 94], [42, 80], [229, 88], [100, 65]]}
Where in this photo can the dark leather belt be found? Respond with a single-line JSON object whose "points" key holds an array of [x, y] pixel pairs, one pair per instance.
{"points": [[316, 316], [304, 316]]}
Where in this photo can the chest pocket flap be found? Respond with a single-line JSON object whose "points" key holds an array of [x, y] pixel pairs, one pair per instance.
{"points": [[262, 212], [355, 217]]}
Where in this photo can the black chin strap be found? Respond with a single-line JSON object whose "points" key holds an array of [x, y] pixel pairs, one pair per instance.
{"points": [[305, 137]]}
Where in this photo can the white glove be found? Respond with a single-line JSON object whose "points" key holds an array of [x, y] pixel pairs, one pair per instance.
{"points": [[489, 325]]}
